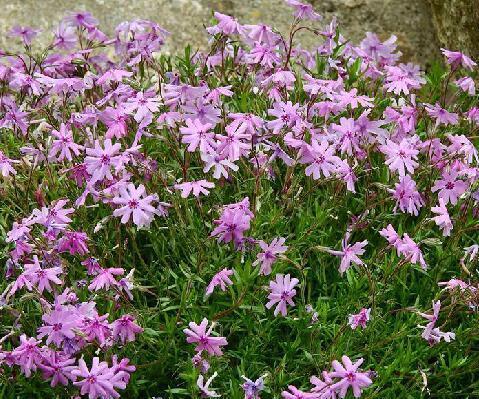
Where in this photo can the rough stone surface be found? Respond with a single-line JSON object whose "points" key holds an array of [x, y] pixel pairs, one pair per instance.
{"points": [[457, 24], [409, 20]]}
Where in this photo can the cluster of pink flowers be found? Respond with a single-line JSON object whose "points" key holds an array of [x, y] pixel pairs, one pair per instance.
{"points": [[336, 383], [85, 114]]}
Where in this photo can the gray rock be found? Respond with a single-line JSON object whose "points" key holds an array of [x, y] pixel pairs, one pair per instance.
{"points": [[409, 20]]}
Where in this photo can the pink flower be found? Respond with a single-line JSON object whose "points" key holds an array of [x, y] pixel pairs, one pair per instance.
{"points": [[323, 388], [203, 339], [116, 120], [441, 115], [321, 159], [456, 59], [58, 325], [390, 234], [197, 134], [42, 277], [25, 33], [6, 168], [64, 145], [303, 11], [81, 18], [359, 319], [281, 293], [232, 224], [269, 253], [287, 116], [204, 387], [227, 25], [442, 219], [220, 163], [400, 157], [74, 242], [58, 367], [350, 377], [96, 327], [125, 329], [222, 279], [407, 197], [197, 187], [349, 253], [53, 215], [295, 393], [27, 355], [467, 85], [100, 161], [407, 247], [105, 278], [431, 333], [235, 144], [450, 187], [100, 381], [135, 204]]}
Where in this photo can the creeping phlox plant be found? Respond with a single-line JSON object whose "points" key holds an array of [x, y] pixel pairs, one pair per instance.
{"points": [[234, 221]]}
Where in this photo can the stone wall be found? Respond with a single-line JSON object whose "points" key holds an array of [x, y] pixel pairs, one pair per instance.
{"points": [[410, 20]]}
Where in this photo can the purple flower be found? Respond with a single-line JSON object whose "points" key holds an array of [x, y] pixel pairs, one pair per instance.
{"points": [[199, 335], [287, 116], [269, 253], [321, 159], [450, 187], [252, 389], [324, 388], [349, 253], [226, 24], [58, 367], [64, 37], [197, 187], [295, 393], [198, 135], [25, 33], [116, 121], [303, 11], [58, 326], [42, 277], [63, 145], [74, 242], [222, 279], [442, 219], [204, 387], [407, 197], [96, 327], [281, 293], [407, 247], [431, 333], [144, 104], [6, 168], [360, 319], [350, 377], [400, 157], [441, 115], [81, 18], [27, 355], [232, 224], [99, 161], [456, 59], [125, 329], [134, 203], [99, 381], [467, 85]]}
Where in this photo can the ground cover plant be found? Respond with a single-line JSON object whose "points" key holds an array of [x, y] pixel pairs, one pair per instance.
{"points": [[253, 221]]}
